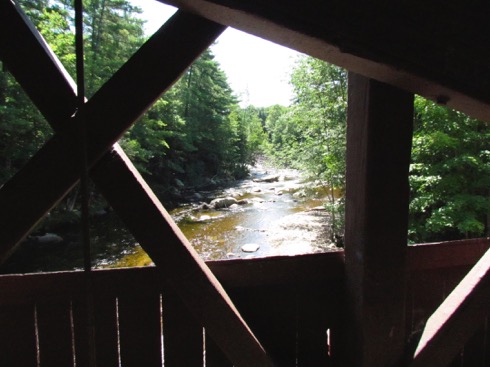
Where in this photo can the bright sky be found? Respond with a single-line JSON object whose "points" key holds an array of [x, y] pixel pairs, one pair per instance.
{"points": [[257, 70]]}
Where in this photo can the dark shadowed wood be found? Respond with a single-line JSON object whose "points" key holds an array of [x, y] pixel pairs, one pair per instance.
{"points": [[55, 333], [457, 318], [278, 270], [17, 336], [379, 136], [106, 338], [437, 50], [318, 311], [20, 44], [446, 254], [154, 229], [140, 330], [474, 350], [154, 68], [80, 332], [271, 313], [213, 355], [183, 335]]}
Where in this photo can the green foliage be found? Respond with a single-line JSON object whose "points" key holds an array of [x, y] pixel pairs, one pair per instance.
{"points": [[310, 134], [449, 175], [194, 132], [22, 128]]}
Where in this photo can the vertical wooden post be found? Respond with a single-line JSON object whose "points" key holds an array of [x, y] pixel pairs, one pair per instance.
{"points": [[379, 136]]}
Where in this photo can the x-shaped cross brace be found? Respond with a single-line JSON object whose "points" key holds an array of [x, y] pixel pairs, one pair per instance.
{"points": [[55, 169]]}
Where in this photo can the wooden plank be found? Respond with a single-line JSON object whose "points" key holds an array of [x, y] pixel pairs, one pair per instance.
{"points": [[457, 318], [140, 330], [106, 331], [55, 333], [437, 50], [379, 136], [18, 346], [474, 350], [213, 355], [317, 310], [271, 313], [279, 270], [298, 271], [81, 332], [183, 335], [446, 254]]}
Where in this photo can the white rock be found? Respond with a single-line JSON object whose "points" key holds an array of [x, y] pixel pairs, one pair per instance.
{"points": [[250, 247]]}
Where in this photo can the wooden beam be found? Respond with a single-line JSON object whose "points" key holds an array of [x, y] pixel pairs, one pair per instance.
{"points": [[20, 44], [438, 50], [141, 80], [379, 135], [456, 319], [34, 190], [160, 237]]}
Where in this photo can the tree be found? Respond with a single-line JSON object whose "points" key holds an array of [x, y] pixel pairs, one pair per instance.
{"points": [[310, 135], [114, 33], [449, 175]]}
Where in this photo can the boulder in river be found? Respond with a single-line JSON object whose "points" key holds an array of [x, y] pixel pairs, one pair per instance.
{"points": [[250, 247], [272, 178], [221, 203], [49, 238]]}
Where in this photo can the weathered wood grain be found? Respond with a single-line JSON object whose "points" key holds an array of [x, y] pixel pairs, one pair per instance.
{"points": [[457, 318], [183, 335], [379, 137]]}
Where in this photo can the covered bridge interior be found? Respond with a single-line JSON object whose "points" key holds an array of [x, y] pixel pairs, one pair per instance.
{"points": [[378, 303]]}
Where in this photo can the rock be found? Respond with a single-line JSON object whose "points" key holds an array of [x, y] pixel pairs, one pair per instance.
{"points": [[221, 203], [250, 247], [273, 178], [196, 196], [242, 202], [300, 194], [318, 209], [48, 238], [256, 189], [179, 183]]}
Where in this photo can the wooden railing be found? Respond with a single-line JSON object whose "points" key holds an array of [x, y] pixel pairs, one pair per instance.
{"points": [[293, 305]]}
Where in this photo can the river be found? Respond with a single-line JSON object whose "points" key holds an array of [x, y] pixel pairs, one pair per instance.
{"points": [[282, 217]]}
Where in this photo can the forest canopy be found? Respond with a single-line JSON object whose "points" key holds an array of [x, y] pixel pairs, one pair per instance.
{"points": [[197, 135]]}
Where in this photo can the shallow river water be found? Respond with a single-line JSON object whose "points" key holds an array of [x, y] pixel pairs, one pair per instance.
{"points": [[284, 217]]}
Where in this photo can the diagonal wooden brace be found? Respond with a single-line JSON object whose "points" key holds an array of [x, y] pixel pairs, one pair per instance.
{"points": [[53, 171], [456, 319]]}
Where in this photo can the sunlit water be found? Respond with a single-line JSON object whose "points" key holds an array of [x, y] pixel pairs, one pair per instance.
{"points": [[277, 218], [280, 218]]}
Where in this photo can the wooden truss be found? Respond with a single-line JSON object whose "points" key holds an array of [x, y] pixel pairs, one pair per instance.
{"points": [[54, 170]]}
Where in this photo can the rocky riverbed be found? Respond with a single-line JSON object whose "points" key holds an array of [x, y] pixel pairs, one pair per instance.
{"points": [[274, 212]]}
